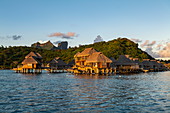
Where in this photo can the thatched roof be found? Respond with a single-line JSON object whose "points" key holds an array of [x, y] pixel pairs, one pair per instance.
{"points": [[58, 61], [76, 54], [146, 62], [86, 52], [30, 60], [160, 64], [37, 55], [136, 61], [113, 60], [124, 60], [71, 62], [98, 57], [154, 62]]}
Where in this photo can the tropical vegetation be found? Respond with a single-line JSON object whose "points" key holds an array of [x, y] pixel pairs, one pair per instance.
{"points": [[12, 56]]}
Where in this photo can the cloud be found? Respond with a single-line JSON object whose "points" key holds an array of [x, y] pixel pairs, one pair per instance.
{"points": [[162, 49], [69, 35], [98, 39], [149, 50], [146, 43], [158, 47], [14, 37], [165, 52], [136, 40]]}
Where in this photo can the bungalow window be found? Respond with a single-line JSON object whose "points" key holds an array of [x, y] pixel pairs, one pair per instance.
{"points": [[96, 65], [103, 64], [29, 64], [78, 58]]}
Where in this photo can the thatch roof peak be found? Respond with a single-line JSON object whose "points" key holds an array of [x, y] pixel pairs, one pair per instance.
{"points": [[98, 57], [72, 62], [31, 54], [30, 60], [113, 59], [124, 60], [58, 61], [87, 52]]}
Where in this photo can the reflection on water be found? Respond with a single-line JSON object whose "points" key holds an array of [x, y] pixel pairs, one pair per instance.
{"points": [[145, 92]]}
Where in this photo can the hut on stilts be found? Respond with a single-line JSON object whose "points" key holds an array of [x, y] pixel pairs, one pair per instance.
{"points": [[125, 65], [57, 65], [146, 65], [31, 64], [90, 61]]}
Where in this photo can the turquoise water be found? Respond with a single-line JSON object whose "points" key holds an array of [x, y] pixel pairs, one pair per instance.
{"points": [[145, 92]]}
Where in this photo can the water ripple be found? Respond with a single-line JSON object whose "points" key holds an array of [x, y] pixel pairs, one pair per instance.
{"points": [[148, 92]]}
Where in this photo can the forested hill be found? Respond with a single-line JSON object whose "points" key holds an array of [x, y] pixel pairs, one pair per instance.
{"points": [[12, 56]]}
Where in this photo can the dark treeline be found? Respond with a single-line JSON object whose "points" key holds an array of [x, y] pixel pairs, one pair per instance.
{"points": [[12, 56]]}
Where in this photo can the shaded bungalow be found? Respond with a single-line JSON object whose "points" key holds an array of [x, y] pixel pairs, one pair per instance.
{"points": [[147, 65], [136, 61], [57, 64], [161, 66], [71, 63], [124, 62], [154, 65], [113, 64]]}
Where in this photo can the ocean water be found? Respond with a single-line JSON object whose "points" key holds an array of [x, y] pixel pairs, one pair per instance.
{"points": [[64, 92]]}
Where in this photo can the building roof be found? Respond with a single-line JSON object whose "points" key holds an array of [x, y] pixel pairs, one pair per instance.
{"points": [[98, 57], [113, 60], [86, 52], [30, 60], [58, 61], [154, 62], [124, 60], [136, 60], [37, 55], [146, 62], [71, 62]]}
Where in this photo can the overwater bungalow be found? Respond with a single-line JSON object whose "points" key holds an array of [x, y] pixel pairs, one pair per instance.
{"points": [[161, 66], [91, 61], [136, 61], [31, 64], [56, 65], [147, 65], [124, 65], [113, 64], [153, 65]]}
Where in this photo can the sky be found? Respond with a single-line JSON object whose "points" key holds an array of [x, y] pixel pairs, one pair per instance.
{"points": [[23, 22]]}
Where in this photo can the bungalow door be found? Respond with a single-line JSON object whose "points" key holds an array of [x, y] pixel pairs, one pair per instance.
{"points": [[108, 65], [99, 65]]}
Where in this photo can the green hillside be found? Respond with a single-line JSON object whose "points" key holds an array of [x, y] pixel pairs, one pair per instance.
{"points": [[12, 56]]}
